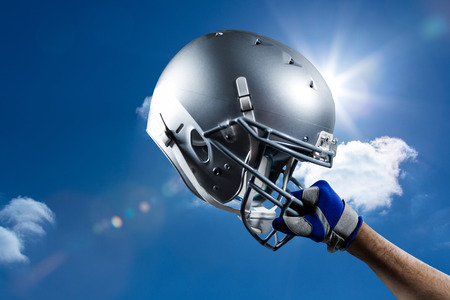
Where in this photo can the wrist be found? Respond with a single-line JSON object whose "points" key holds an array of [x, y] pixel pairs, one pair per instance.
{"points": [[360, 244], [354, 233]]}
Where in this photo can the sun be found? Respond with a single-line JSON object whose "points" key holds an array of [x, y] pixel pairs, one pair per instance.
{"points": [[351, 86]]}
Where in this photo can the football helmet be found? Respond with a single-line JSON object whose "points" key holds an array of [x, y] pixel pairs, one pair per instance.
{"points": [[234, 112]]}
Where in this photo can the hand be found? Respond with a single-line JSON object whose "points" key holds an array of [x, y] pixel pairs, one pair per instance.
{"points": [[330, 219]]}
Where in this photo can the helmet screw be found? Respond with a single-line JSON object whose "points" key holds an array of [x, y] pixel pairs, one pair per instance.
{"points": [[291, 61], [217, 171], [257, 42], [216, 188], [305, 138], [227, 166]]}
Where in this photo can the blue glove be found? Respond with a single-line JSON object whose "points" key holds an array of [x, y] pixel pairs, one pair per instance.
{"points": [[330, 220]]}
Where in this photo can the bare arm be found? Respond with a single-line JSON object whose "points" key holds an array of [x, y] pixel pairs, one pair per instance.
{"points": [[341, 228], [406, 276]]}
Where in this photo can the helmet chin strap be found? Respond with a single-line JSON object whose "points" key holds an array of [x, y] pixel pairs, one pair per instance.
{"points": [[247, 111], [260, 218]]}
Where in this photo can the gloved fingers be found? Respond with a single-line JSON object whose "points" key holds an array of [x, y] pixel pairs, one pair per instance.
{"points": [[310, 196]]}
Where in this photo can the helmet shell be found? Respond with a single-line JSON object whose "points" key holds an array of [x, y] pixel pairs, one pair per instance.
{"points": [[197, 91]]}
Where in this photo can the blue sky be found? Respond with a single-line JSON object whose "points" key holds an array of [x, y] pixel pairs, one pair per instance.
{"points": [[73, 74]]}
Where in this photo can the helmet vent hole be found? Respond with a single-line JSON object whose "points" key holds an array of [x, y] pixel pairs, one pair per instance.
{"points": [[179, 128], [312, 84], [199, 146]]}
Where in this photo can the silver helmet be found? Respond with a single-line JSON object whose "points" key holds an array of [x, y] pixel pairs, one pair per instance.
{"points": [[234, 112]]}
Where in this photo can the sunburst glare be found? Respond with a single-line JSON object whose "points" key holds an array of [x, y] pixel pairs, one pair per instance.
{"points": [[350, 87], [351, 76]]}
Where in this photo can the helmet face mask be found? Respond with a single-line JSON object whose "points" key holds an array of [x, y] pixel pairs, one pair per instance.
{"points": [[234, 112]]}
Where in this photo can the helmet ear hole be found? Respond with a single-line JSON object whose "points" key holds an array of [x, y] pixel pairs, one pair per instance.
{"points": [[199, 146]]}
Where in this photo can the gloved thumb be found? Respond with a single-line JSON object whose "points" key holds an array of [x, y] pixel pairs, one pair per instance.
{"points": [[279, 225]]}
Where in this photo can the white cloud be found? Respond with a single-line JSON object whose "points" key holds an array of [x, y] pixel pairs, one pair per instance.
{"points": [[142, 110], [22, 219], [364, 174], [10, 247]]}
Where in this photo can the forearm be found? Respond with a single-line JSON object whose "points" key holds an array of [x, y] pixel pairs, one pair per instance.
{"points": [[406, 276]]}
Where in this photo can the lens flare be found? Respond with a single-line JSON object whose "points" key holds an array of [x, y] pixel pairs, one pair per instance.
{"points": [[116, 222], [129, 213], [434, 27], [101, 226], [172, 187], [144, 207]]}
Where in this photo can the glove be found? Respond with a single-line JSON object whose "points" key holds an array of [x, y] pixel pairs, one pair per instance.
{"points": [[330, 219]]}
